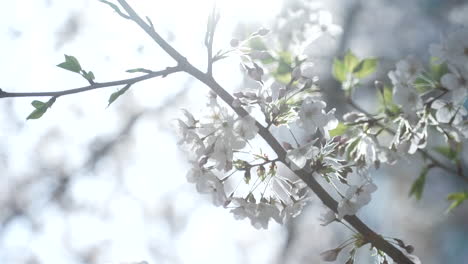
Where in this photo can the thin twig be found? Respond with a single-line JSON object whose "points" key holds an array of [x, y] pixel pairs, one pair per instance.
{"points": [[94, 86], [209, 38]]}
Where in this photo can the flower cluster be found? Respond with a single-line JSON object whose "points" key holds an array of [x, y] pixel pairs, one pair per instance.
{"points": [[283, 91], [421, 99], [218, 147]]}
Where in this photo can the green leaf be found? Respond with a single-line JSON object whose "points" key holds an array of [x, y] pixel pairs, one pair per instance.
{"points": [[117, 94], [37, 113], [285, 57], [339, 70], [268, 60], [438, 69], [457, 199], [257, 44], [37, 104], [339, 130], [350, 61], [418, 186], [71, 64], [448, 152], [365, 68], [422, 84], [284, 78], [139, 70], [40, 108], [88, 75], [284, 63], [386, 100]]}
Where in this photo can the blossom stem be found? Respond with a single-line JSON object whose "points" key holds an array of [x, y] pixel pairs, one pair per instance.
{"points": [[346, 225], [292, 134], [347, 242]]}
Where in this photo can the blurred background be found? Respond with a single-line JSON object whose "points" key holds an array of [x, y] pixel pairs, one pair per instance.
{"points": [[90, 184]]}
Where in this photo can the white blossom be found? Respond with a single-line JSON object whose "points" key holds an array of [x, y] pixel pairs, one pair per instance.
{"points": [[298, 157], [347, 207], [409, 138], [355, 198], [258, 214], [207, 182], [367, 148], [294, 209], [324, 26], [307, 69], [453, 49], [312, 116], [267, 211], [246, 128], [457, 84], [407, 97], [406, 71], [222, 154], [448, 112], [404, 92], [191, 142], [328, 217]]}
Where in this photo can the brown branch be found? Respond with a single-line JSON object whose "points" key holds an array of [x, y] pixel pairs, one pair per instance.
{"points": [[94, 86], [373, 238], [206, 78]]}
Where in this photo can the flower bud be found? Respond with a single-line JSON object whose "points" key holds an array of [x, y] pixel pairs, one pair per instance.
{"points": [[263, 31], [409, 249], [296, 73], [234, 43], [379, 86], [330, 255]]}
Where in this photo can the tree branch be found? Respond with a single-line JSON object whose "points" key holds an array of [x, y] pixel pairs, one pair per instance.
{"points": [[94, 86], [183, 65], [373, 238]]}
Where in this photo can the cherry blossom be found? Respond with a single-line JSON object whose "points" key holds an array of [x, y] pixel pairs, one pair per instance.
{"points": [[328, 217], [312, 116], [246, 127], [298, 157], [355, 198], [453, 49], [457, 84], [447, 112], [404, 92], [324, 26], [207, 182]]}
